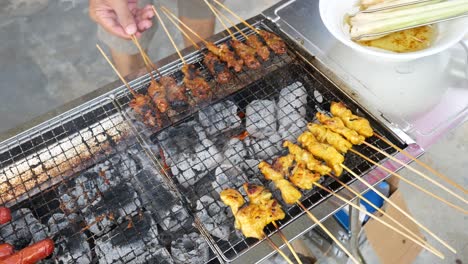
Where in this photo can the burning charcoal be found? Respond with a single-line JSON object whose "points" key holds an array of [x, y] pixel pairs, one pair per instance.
{"points": [[116, 204], [181, 139], [235, 151], [228, 176], [175, 219], [70, 244], [250, 167], [160, 255], [208, 156], [219, 118], [266, 149], [23, 229], [191, 248], [126, 166], [261, 118], [294, 129], [292, 100], [82, 191], [213, 216], [132, 241]]}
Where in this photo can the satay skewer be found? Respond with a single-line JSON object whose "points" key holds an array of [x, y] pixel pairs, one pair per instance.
{"points": [[237, 16], [168, 35], [399, 208], [220, 20], [424, 165], [285, 240], [417, 241], [169, 13], [227, 19], [277, 249]]}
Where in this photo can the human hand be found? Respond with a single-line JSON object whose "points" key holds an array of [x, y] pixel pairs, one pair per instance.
{"points": [[122, 18]]}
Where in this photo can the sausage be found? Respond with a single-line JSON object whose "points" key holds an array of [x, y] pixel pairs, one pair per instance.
{"points": [[31, 254], [5, 215], [6, 250]]}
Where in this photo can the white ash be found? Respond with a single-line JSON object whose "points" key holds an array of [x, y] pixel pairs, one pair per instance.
{"points": [[219, 118], [228, 176], [116, 205], [190, 248], [160, 255], [132, 241], [250, 167], [235, 151], [71, 245], [266, 148], [213, 216], [261, 118], [292, 100], [23, 229], [175, 219], [294, 129], [181, 138], [82, 191]]}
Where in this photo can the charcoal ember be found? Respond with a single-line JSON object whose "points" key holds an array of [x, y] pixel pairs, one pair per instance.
{"points": [[160, 255], [190, 248], [228, 176], [212, 214], [181, 138], [292, 100], [132, 241], [125, 165], [71, 245], [294, 129], [235, 151], [23, 229], [250, 167], [82, 191], [261, 118], [219, 118], [265, 149], [175, 219], [116, 205]]}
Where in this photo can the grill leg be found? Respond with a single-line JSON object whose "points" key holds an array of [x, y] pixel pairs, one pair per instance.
{"points": [[355, 226]]}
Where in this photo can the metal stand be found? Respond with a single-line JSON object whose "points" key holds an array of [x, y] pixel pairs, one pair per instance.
{"points": [[355, 226]]}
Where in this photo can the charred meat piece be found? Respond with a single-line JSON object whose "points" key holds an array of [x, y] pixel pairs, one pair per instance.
{"points": [[273, 41], [141, 104], [217, 68], [255, 43], [226, 55], [197, 85], [246, 53], [175, 93], [157, 93]]}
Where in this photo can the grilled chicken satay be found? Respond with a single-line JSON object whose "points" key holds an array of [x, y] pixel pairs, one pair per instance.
{"points": [[261, 196], [141, 104], [322, 151], [303, 178], [246, 53], [157, 93], [252, 219], [351, 121], [175, 93], [197, 85], [325, 135], [290, 194], [234, 200], [274, 42], [305, 157], [336, 125], [226, 55], [284, 163], [255, 43], [217, 68]]}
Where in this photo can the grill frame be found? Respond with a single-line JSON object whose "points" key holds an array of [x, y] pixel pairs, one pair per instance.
{"points": [[141, 133]]}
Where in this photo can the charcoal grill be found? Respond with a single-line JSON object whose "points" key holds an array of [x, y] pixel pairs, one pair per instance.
{"points": [[101, 145]]}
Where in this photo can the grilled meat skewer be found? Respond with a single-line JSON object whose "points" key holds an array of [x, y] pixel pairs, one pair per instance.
{"points": [[226, 55], [290, 194], [255, 43], [305, 157], [246, 53], [141, 104], [325, 135], [197, 85], [274, 42], [157, 93], [354, 122], [336, 125], [175, 94], [217, 68]]}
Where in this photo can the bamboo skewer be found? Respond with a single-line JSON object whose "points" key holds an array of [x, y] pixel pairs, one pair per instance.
{"points": [[220, 20], [143, 55], [169, 35], [416, 171], [424, 165], [422, 244], [411, 183], [167, 11], [237, 16], [277, 249], [399, 209], [285, 240], [229, 20], [316, 221], [181, 30], [116, 71]]}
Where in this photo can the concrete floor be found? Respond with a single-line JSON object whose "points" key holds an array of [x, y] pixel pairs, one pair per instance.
{"points": [[48, 58]]}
